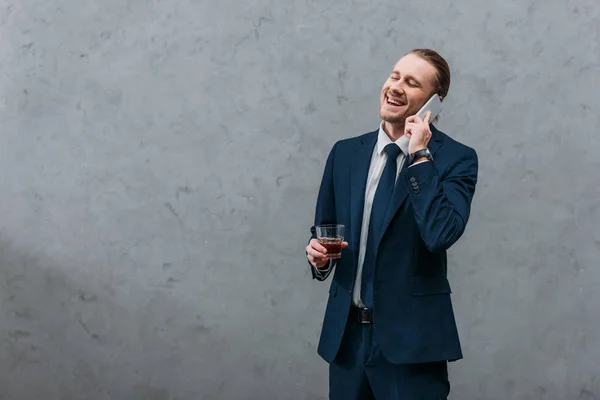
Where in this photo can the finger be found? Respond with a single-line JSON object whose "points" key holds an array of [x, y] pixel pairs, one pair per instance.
{"points": [[413, 119], [344, 245], [321, 263], [316, 261], [316, 254], [427, 117], [317, 246]]}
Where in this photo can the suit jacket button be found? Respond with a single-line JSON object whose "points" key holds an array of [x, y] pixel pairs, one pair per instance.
{"points": [[412, 179], [415, 184]]}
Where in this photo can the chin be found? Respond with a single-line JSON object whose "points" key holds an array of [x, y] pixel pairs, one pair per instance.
{"points": [[392, 118]]}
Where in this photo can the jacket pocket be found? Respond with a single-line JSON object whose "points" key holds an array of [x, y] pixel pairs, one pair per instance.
{"points": [[427, 285]]}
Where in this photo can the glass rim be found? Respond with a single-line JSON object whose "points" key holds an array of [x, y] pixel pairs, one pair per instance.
{"points": [[330, 226]]}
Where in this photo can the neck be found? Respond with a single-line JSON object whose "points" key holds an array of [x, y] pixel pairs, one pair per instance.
{"points": [[394, 131]]}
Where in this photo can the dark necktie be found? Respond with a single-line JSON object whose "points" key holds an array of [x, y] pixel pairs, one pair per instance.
{"points": [[381, 201]]}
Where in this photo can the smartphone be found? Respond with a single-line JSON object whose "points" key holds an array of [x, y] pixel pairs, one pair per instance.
{"points": [[434, 105]]}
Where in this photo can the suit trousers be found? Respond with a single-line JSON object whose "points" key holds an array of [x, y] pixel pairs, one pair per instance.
{"points": [[361, 372]]}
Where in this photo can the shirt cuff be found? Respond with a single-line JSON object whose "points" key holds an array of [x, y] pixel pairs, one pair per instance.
{"points": [[324, 272], [419, 162]]}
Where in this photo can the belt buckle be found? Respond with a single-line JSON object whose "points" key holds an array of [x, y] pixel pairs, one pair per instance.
{"points": [[364, 315]]}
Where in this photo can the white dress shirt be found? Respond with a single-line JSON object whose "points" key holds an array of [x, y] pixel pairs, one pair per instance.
{"points": [[378, 161]]}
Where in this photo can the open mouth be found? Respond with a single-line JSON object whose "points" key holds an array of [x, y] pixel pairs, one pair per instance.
{"points": [[394, 102]]}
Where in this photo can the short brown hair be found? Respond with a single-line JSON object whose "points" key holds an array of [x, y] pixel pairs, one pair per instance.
{"points": [[442, 81]]}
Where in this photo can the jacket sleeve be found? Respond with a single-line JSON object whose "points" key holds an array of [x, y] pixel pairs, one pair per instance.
{"points": [[325, 211], [442, 205]]}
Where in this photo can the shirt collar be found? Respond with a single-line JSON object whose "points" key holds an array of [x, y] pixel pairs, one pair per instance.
{"points": [[383, 140]]}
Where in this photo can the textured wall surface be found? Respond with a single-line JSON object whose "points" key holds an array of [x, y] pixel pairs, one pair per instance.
{"points": [[160, 162]]}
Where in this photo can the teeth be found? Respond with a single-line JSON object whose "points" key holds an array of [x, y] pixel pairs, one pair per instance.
{"points": [[393, 102]]}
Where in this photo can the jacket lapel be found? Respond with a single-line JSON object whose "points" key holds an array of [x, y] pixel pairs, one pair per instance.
{"points": [[436, 140], [358, 178]]}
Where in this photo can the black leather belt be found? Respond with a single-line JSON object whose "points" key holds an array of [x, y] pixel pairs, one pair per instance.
{"points": [[361, 315]]}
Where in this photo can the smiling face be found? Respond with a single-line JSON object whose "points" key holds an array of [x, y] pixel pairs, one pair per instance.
{"points": [[411, 83]]}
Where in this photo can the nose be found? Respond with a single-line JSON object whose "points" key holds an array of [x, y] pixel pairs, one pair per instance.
{"points": [[398, 87]]}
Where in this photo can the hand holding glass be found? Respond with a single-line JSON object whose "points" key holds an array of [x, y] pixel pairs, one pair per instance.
{"points": [[331, 237]]}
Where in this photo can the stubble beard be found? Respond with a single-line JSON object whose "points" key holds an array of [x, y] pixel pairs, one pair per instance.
{"points": [[394, 119]]}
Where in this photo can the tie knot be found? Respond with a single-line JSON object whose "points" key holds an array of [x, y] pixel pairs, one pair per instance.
{"points": [[392, 150]]}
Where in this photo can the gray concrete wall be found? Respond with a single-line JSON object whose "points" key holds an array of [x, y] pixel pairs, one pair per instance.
{"points": [[159, 166]]}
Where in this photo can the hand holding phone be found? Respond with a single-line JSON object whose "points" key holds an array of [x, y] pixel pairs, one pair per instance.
{"points": [[434, 105], [416, 127]]}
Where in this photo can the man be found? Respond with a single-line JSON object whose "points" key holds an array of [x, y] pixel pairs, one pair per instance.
{"points": [[404, 194]]}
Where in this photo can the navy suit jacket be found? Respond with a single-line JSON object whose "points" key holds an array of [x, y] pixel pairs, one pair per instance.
{"points": [[430, 206]]}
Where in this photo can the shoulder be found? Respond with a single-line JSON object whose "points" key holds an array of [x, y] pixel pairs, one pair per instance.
{"points": [[353, 143], [454, 158], [453, 147], [346, 149]]}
